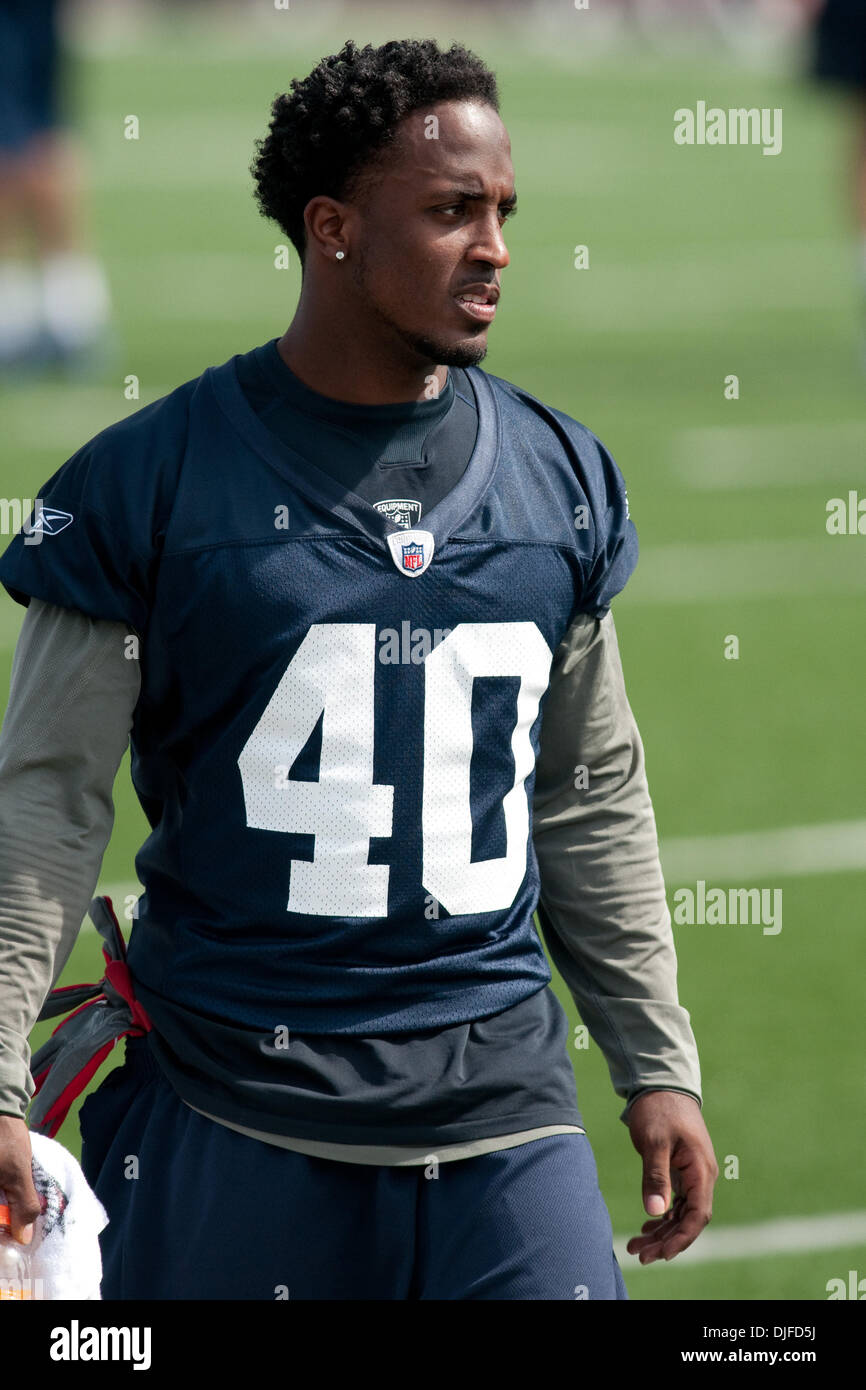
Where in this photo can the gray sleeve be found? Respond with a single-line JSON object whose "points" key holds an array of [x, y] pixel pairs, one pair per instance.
{"points": [[602, 906], [71, 699]]}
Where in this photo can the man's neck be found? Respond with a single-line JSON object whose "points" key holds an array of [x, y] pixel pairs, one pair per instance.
{"points": [[341, 367]]}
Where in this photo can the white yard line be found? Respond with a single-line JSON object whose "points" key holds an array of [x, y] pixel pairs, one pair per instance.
{"points": [[190, 152], [727, 571], [835, 847], [784, 1236], [723, 457]]}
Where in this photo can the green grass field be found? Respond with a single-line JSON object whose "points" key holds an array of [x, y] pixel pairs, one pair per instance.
{"points": [[703, 262]]}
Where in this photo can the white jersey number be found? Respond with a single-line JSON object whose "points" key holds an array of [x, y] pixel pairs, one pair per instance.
{"points": [[332, 675]]}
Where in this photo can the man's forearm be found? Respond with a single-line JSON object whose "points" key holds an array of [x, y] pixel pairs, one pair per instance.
{"points": [[65, 730], [602, 905]]}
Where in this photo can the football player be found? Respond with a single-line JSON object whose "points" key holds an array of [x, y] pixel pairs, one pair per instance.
{"points": [[55, 306], [838, 61], [347, 596]]}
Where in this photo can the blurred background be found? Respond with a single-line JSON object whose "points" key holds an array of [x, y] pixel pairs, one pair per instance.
{"points": [[713, 334]]}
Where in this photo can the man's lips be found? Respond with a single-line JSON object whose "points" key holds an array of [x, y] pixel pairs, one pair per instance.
{"points": [[479, 302]]}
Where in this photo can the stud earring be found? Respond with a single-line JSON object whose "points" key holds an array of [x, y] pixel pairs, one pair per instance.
{"points": [[340, 255]]}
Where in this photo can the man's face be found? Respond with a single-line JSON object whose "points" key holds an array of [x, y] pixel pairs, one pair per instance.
{"points": [[430, 228]]}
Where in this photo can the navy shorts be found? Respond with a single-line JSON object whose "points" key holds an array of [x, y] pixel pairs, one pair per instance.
{"points": [[198, 1211]]}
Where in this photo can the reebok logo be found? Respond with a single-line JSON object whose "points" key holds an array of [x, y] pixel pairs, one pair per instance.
{"points": [[47, 520]]}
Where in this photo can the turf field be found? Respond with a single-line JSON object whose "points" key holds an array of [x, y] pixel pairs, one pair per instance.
{"points": [[703, 262]]}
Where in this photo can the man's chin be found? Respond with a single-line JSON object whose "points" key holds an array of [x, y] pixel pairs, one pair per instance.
{"points": [[465, 352]]}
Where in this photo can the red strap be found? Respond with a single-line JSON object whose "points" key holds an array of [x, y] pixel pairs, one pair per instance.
{"points": [[64, 989], [42, 1076], [118, 976], [60, 1109], [88, 1004]]}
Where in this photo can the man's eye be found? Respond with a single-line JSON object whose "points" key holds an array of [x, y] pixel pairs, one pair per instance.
{"points": [[504, 213]]}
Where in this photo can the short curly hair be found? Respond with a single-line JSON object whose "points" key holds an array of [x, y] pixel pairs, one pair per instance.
{"points": [[332, 126]]}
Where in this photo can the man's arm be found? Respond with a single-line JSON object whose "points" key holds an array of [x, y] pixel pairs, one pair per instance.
{"points": [[606, 923], [67, 722]]}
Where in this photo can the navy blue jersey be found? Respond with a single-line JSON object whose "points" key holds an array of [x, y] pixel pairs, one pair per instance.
{"points": [[339, 718]]}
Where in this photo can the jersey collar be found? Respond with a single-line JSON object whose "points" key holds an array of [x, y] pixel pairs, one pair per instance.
{"points": [[323, 490]]}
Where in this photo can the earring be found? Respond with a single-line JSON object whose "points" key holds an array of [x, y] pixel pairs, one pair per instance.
{"points": [[340, 255]]}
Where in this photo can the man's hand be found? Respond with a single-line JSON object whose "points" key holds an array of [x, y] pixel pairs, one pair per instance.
{"points": [[669, 1133], [16, 1177]]}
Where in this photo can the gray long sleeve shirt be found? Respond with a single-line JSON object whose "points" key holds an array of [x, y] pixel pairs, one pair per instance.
{"points": [[602, 906]]}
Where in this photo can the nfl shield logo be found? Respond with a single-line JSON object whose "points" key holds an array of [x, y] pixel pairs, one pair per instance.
{"points": [[411, 550], [413, 556]]}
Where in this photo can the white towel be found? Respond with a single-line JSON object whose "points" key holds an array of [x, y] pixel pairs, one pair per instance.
{"points": [[64, 1252]]}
